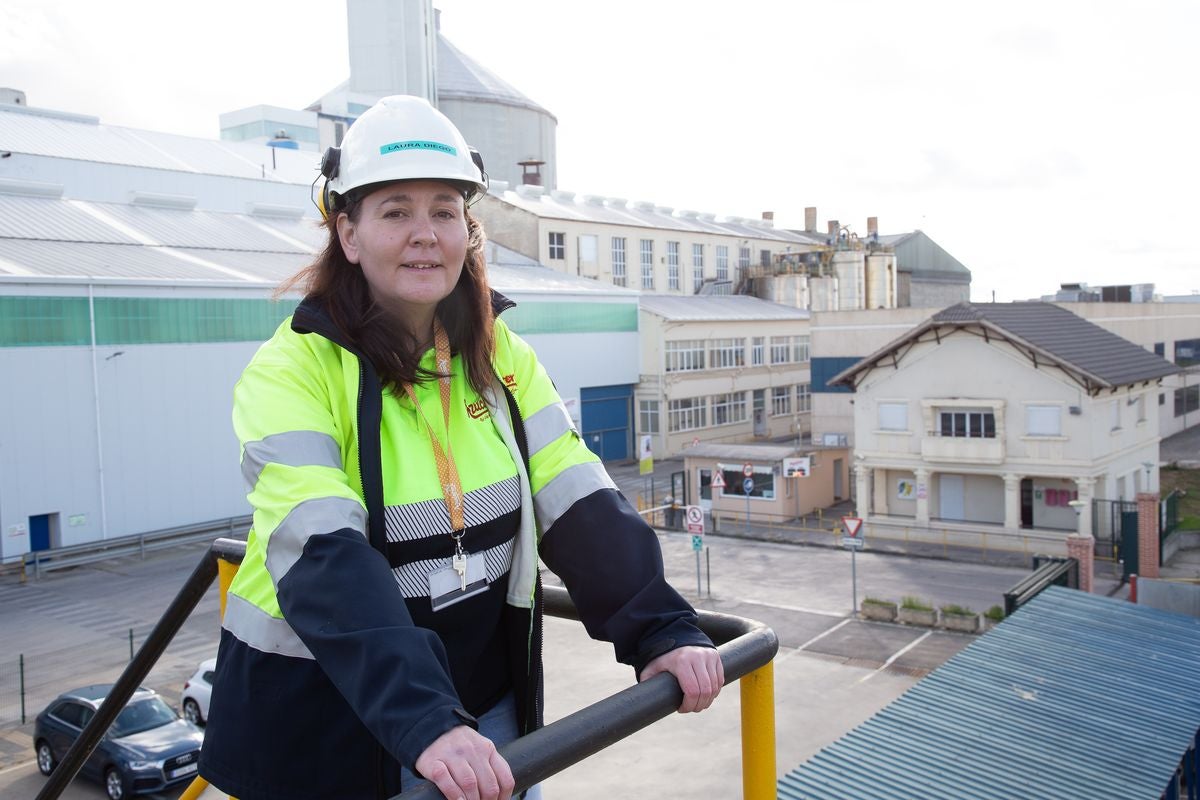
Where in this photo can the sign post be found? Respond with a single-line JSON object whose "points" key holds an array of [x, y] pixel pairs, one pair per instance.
{"points": [[747, 488], [853, 541], [695, 525]]}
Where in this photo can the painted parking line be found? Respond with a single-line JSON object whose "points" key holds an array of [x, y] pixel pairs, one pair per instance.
{"points": [[895, 656], [824, 633]]}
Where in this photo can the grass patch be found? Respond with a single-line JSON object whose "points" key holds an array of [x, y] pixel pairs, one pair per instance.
{"points": [[995, 613], [957, 611], [915, 604], [875, 601], [1187, 481]]}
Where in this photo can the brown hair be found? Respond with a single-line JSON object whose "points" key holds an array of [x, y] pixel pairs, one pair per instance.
{"points": [[466, 313]]}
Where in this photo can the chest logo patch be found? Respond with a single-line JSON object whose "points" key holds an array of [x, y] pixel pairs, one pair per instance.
{"points": [[510, 381], [477, 410]]}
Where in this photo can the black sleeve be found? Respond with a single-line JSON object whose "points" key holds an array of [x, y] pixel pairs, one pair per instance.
{"points": [[611, 563]]}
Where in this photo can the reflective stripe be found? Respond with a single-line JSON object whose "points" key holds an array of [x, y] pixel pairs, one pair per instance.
{"points": [[292, 449], [258, 629], [310, 518], [569, 486], [547, 425]]}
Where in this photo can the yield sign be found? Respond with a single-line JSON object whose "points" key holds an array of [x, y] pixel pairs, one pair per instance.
{"points": [[852, 525]]}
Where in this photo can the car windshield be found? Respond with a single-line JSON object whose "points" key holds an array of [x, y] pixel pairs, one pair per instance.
{"points": [[141, 716]]}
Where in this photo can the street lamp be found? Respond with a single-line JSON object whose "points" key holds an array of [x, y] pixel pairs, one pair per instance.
{"points": [[1077, 507], [1147, 465]]}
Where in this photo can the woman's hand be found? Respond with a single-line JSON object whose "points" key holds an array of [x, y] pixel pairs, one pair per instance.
{"points": [[698, 670], [466, 766]]}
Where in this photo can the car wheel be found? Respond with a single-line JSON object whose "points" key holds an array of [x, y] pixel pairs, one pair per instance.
{"points": [[114, 784], [191, 712], [45, 758]]}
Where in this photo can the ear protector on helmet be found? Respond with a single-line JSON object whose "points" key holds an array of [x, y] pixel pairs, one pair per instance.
{"points": [[329, 169]]}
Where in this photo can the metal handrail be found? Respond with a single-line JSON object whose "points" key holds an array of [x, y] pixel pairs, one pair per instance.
{"points": [[1053, 570], [746, 646], [137, 543]]}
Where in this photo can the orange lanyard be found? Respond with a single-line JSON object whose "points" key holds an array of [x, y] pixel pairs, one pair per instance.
{"points": [[447, 471]]}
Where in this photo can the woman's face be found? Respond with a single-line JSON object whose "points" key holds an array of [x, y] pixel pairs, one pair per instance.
{"points": [[410, 239]]}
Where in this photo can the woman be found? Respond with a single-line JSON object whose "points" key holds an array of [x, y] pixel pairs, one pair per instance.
{"points": [[408, 461]]}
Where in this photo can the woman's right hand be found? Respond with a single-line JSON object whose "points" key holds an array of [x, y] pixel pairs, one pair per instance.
{"points": [[466, 766]]}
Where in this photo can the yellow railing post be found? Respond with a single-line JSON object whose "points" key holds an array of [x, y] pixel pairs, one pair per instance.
{"points": [[758, 734]]}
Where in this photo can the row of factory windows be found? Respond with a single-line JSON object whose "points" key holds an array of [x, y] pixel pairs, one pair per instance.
{"points": [[589, 245], [694, 413], [691, 355]]}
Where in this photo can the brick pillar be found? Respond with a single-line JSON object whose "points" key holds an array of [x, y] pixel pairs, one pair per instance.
{"points": [[1082, 549], [1147, 506]]}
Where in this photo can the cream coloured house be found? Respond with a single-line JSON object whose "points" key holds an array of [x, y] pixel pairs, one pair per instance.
{"points": [[721, 369], [987, 420]]}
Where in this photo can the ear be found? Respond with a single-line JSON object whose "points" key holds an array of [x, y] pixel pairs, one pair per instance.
{"points": [[347, 235]]}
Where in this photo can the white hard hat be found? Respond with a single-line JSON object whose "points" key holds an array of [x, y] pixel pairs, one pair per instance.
{"points": [[400, 138]]}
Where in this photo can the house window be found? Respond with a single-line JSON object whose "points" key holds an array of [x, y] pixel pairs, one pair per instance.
{"points": [[648, 416], [757, 351], [722, 262], [967, 424], [697, 267], [735, 482], [618, 257], [789, 349], [893, 416], [686, 414], [558, 246], [1187, 400], [781, 401], [685, 356], [1115, 414], [803, 397], [588, 248], [1187, 352], [673, 265], [729, 408], [647, 263], [725, 353], [1159, 348], [1141, 408], [1043, 420], [764, 257]]}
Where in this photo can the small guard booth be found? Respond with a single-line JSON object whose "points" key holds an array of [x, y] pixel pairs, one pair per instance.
{"points": [[774, 483]]}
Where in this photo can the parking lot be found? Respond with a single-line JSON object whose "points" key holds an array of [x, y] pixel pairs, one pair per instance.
{"points": [[832, 671]]}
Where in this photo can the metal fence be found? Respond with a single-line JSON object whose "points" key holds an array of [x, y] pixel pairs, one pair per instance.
{"points": [[1108, 522]]}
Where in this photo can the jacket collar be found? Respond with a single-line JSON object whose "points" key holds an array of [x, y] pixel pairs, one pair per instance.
{"points": [[311, 316]]}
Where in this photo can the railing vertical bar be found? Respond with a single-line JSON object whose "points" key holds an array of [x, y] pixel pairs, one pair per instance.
{"points": [[758, 733]]}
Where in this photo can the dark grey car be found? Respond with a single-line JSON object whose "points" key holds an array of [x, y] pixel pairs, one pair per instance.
{"points": [[147, 749]]}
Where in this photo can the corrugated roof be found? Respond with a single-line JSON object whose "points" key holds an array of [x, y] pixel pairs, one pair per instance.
{"points": [[1097, 357], [691, 308], [1074, 695], [591, 208], [43, 133]]}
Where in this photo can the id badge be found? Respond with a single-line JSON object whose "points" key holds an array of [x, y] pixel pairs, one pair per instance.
{"points": [[445, 585]]}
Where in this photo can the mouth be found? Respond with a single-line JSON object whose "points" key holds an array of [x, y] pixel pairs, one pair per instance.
{"points": [[420, 265]]}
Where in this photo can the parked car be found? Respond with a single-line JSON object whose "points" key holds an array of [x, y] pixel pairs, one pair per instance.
{"points": [[196, 692], [147, 748]]}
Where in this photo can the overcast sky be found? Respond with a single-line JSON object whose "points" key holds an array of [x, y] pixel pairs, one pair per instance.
{"points": [[1038, 142]]}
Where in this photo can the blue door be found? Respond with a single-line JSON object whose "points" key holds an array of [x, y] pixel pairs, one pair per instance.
{"points": [[605, 413], [39, 532]]}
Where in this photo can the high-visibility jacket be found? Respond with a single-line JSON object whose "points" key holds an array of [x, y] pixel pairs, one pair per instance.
{"points": [[324, 683]]}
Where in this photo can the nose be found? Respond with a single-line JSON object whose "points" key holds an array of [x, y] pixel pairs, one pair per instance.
{"points": [[422, 231]]}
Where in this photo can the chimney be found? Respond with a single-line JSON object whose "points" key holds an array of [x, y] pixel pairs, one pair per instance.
{"points": [[532, 172], [833, 227], [768, 216], [872, 226], [810, 219]]}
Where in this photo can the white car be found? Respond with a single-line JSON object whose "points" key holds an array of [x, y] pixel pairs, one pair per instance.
{"points": [[197, 691]]}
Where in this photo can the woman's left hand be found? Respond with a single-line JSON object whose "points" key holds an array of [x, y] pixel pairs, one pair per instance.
{"points": [[698, 670]]}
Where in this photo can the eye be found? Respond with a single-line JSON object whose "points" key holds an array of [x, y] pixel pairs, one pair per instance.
{"points": [[446, 214]]}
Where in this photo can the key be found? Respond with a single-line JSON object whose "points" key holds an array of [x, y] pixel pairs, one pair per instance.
{"points": [[459, 564]]}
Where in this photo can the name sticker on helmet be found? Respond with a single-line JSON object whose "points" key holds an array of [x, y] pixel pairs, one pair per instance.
{"points": [[418, 144]]}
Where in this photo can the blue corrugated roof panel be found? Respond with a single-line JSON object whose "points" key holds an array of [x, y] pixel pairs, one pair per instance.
{"points": [[1074, 695]]}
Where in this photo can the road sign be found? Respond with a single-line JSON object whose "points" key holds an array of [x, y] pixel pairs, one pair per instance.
{"points": [[748, 470], [853, 526], [797, 467], [852, 543], [748, 486], [718, 480], [697, 542], [695, 519]]}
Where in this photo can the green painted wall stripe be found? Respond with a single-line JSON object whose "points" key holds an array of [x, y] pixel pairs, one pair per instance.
{"points": [[63, 321], [528, 318]]}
